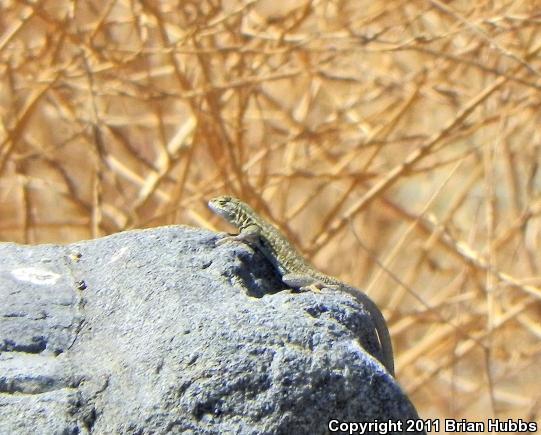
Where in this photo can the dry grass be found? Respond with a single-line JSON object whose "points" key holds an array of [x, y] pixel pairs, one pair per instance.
{"points": [[397, 143]]}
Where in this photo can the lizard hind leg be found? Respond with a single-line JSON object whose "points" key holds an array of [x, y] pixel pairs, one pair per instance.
{"points": [[303, 282]]}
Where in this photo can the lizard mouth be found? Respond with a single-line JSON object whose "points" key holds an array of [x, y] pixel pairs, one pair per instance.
{"points": [[218, 210]]}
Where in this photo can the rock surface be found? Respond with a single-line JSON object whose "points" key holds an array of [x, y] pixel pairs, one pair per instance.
{"points": [[159, 331]]}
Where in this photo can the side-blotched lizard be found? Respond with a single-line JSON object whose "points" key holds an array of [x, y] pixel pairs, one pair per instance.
{"points": [[294, 269]]}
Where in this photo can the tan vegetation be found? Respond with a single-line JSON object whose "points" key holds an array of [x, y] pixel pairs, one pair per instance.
{"points": [[397, 143]]}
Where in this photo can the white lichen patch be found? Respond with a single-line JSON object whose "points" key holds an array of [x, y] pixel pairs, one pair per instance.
{"points": [[36, 275]]}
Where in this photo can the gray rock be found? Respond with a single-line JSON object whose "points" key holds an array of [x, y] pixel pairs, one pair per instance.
{"points": [[160, 331]]}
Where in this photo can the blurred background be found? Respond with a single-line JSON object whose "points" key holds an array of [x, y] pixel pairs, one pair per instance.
{"points": [[396, 143]]}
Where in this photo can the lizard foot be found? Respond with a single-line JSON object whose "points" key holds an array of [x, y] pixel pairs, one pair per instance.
{"points": [[247, 238]]}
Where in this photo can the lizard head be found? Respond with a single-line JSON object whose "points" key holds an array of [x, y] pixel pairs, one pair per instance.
{"points": [[226, 207]]}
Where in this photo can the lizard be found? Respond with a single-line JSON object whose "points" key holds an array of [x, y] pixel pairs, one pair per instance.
{"points": [[291, 265]]}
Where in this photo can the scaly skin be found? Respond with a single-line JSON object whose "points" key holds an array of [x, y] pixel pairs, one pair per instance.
{"points": [[295, 270]]}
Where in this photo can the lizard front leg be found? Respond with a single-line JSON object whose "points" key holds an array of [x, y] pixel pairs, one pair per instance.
{"points": [[249, 235]]}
